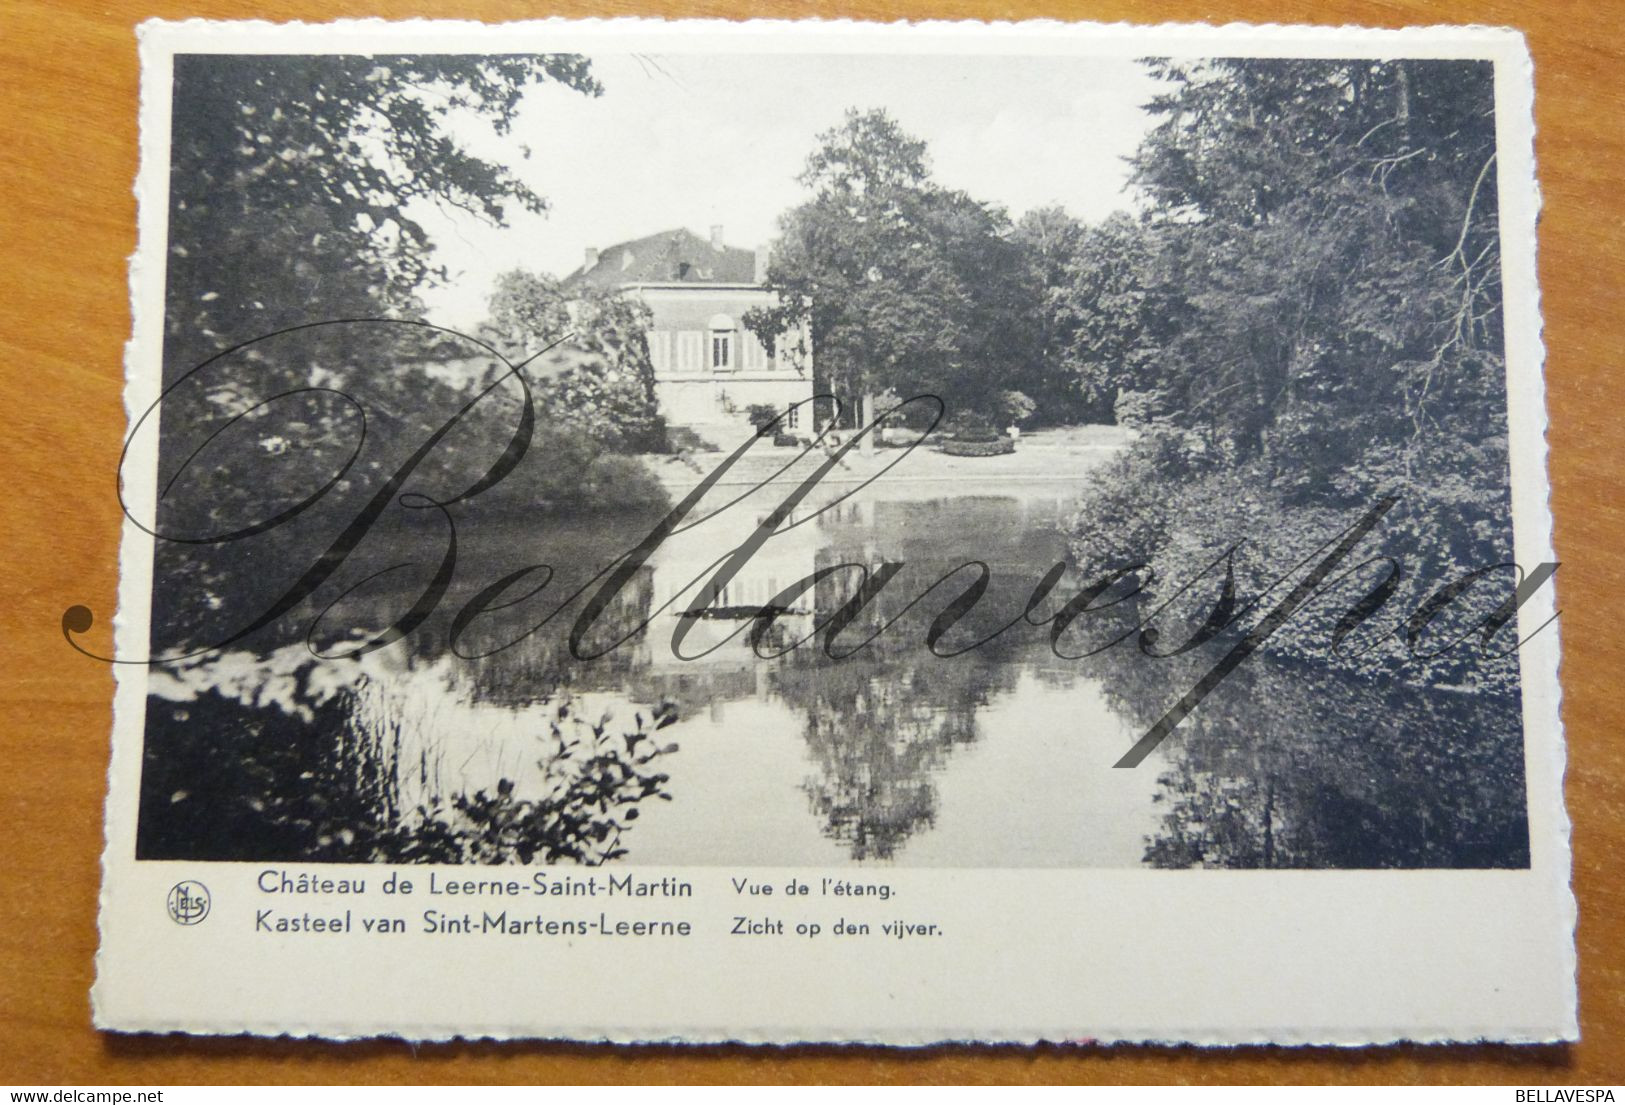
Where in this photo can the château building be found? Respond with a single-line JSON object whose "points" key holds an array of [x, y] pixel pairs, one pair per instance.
{"points": [[709, 368]]}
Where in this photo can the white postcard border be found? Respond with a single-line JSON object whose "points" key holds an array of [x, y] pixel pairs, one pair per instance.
{"points": [[1206, 957]]}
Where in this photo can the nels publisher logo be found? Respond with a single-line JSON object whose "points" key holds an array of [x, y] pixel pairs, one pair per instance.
{"points": [[188, 902]]}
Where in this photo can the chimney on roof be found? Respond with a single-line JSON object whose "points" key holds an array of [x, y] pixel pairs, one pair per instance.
{"points": [[764, 254], [592, 257], [716, 237]]}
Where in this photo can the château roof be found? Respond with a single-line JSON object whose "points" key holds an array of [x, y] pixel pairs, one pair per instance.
{"points": [[671, 257]]}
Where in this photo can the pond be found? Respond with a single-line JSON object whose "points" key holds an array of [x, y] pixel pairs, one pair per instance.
{"points": [[709, 753]]}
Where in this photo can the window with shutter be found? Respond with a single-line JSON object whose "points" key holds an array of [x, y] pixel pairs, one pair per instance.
{"points": [[660, 350], [690, 351]]}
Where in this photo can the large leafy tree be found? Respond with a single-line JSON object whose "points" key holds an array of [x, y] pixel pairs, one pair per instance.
{"points": [[1048, 239], [600, 380], [1100, 314], [903, 285], [1318, 276], [298, 193], [297, 183], [1333, 227]]}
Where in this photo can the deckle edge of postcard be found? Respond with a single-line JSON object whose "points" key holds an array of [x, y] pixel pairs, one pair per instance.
{"points": [[117, 1012]]}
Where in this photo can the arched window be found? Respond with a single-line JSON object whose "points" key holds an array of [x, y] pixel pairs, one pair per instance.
{"points": [[722, 343]]}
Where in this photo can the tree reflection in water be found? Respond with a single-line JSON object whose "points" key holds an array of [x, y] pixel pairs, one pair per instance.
{"points": [[881, 725], [416, 753], [1293, 765], [1287, 764], [878, 735]]}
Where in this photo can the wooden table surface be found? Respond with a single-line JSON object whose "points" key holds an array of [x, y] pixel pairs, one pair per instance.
{"points": [[68, 89]]}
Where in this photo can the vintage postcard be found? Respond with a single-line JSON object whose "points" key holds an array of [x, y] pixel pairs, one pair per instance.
{"points": [[831, 532]]}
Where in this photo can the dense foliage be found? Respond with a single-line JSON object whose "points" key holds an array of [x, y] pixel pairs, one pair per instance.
{"points": [[297, 183], [300, 378], [1308, 318], [600, 383], [905, 286]]}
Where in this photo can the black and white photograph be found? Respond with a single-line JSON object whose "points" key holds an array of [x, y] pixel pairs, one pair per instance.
{"points": [[859, 460], [793, 532]]}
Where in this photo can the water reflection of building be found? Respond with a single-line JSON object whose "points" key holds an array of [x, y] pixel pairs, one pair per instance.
{"points": [[878, 730], [718, 638]]}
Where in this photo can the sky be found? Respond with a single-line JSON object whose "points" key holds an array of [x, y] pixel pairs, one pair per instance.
{"points": [[699, 140]]}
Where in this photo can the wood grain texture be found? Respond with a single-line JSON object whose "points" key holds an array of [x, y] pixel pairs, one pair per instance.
{"points": [[68, 112]]}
